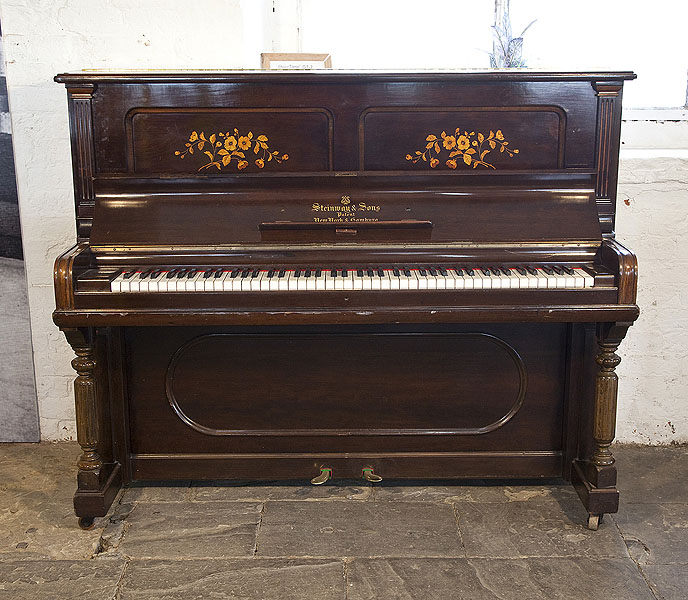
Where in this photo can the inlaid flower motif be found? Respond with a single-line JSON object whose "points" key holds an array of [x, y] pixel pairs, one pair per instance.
{"points": [[463, 142], [232, 150], [472, 147]]}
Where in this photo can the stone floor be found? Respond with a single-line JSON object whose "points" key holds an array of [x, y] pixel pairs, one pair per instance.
{"points": [[346, 541]]}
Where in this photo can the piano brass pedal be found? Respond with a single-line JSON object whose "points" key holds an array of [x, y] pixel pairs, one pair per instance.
{"points": [[368, 475], [325, 474]]}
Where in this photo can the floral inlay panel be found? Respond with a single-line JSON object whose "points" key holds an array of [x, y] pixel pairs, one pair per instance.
{"points": [[471, 148], [231, 148]]}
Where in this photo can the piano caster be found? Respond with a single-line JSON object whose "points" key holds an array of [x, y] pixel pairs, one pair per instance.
{"points": [[86, 523], [594, 521], [368, 475], [325, 474]]}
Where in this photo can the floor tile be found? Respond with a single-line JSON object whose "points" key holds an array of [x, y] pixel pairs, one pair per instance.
{"points": [[546, 529], [655, 533], [341, 529], [186, 530], [37, 483], [248, 579], [66, 580], [261, 491], [474, 491], [652, 474], [152, 492], [669, 582], [496, 579]]}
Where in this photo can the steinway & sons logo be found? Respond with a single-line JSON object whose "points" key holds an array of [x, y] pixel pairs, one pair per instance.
{"points": [[345, 212]]}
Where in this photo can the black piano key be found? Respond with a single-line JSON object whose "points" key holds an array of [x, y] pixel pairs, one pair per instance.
{"points": [[380, 272], [495, 271], [333, 272], [255, 273], [443, 271], [155, 274], [281, 273], [218, 272], [369, 272], [433, 271], [548, 270], [407, 271], [458, 271], [129, 274], [395, 271], [521, 271], [145, 274], [171, 273], [181, 273], [422, 271], [244, 273], [234, 273], [271, 273], [470, 272], [359, 272], [568, 270], [308, 273], [345, 272], [192, 273], [505, 270], [485, 271], [318, 272], [532, 270], [207, 273], [558, 270], [297, 273]]}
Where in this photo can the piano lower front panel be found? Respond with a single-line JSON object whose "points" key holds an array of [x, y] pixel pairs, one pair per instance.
{"points": [[410, 401]]}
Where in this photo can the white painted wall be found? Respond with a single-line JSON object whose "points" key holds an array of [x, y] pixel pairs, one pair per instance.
{"points": [[44, 37]]}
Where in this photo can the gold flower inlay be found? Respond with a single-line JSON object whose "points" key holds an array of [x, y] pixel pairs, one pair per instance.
{"points": [[226, 148], [469, 147]]}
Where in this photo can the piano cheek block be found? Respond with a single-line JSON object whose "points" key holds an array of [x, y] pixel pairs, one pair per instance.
{"points": [[252, 296]]}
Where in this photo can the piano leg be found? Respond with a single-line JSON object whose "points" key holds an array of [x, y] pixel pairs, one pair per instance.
{"points": [[595, 477], [98, 481]]}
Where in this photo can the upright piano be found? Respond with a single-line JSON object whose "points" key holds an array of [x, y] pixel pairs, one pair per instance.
{"points": [[318, 276]]}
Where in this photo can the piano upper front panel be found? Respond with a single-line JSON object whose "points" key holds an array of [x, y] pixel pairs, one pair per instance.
{"points": [[548, 121], [486, 137], [229, 140]]}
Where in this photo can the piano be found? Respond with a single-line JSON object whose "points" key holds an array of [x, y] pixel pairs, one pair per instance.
{"points": [[335, 275]]}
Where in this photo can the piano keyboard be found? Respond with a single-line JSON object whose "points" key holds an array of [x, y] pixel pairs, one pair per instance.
{"points": [[253, 279]]}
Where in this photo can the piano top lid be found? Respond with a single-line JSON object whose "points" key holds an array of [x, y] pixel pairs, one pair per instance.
{"points": [[333, 75]]}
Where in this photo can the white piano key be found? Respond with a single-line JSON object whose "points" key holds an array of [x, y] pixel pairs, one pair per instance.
{"points": [[394, 280], [588, 280], [255, 282], [135, 282], [265, 281], [385, 282], [283, 282], [116, 283], [163, 281], [348, 281], [293, 282]]}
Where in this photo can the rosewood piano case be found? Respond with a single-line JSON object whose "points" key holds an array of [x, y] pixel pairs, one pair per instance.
{"points": [[293, 170]]}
